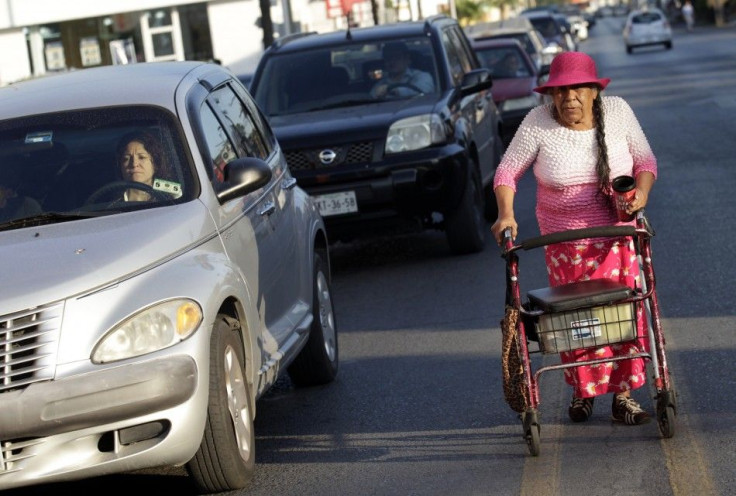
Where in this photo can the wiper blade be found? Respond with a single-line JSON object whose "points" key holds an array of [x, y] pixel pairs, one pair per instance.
{"points": [[344, 103], [47, 218]]}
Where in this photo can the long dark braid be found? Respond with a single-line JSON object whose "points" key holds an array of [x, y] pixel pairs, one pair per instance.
{"points": [[603, 170]]}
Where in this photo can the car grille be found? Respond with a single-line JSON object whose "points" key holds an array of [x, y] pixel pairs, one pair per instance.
{"points": [[308, 159], [28, 346]]}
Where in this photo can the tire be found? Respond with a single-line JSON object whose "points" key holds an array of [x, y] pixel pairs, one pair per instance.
{"points": [[629, 49], [532, 428], [465, 227], [225, 460], [318, 361], [668, 45]]}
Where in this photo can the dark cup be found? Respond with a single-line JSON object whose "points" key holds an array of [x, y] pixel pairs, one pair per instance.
{"points": [[624, 189]]}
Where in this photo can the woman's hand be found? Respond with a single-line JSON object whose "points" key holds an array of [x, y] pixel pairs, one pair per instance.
{"points": [[644, 182], [502, 223], [638, 202]]}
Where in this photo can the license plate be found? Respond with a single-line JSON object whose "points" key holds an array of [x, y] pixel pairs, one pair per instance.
{"points": [[336, 203]]}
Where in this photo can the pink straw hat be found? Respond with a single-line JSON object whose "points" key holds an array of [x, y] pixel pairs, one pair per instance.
{"points": [[570, 68]]}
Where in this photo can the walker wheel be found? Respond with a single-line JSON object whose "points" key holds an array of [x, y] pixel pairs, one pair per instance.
{"points": [[666, 412], [666, 421], [531, 431]]}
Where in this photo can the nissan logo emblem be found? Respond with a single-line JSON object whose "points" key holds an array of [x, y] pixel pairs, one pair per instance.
{"points": [[327, 156]]}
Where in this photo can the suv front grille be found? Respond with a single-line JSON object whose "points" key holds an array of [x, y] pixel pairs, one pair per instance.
{"points": [[354, 153], [28, 346]]}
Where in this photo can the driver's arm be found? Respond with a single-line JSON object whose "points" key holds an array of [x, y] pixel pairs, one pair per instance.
{"points": [[423, 81]]}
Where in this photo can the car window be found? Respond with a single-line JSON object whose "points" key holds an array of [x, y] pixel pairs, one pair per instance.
{"points": [[269, 139], [104, 161], [504, 62], [221, 150], [458, 58], [646, 18], [547, 26], [239, 123], [335, 76]]}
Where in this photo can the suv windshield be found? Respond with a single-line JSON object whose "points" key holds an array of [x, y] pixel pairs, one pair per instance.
{"points": [[345, 75], [90, 162]]}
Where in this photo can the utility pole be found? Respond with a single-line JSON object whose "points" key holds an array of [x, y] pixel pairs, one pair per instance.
{"points": [[266, 23]]}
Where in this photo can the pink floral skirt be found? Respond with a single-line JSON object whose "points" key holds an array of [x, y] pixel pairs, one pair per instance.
{"points": [[613, 259]]}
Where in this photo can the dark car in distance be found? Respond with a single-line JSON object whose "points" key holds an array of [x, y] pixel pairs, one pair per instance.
{"points": [[407, 159], [514, 78], [517, 28]]}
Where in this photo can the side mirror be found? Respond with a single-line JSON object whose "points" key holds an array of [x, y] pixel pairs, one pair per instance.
{"points": [[242, 176], [475, 81]]}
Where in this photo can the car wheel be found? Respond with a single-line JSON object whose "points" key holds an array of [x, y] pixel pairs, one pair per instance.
{"points": [[226, 458], [465, 229], [317, 362], [628, 49], [668, 45]]}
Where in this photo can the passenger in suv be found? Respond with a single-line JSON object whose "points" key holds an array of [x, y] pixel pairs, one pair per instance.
{"points": [[414, 157]]}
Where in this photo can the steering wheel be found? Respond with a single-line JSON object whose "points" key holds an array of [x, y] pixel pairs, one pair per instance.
{"points": [[120, 186], [393, 86]]}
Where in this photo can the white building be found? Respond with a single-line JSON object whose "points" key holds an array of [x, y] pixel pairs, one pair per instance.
{"points": [[38, 37]]}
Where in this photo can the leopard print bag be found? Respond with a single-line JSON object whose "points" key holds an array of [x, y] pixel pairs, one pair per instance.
{"points": [[514, 389]]}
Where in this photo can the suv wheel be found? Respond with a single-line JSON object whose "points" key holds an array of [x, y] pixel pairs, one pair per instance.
{"points": [[465, 228]]}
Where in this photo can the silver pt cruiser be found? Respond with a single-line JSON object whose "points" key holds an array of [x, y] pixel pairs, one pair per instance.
{"points": [[161, 268]]}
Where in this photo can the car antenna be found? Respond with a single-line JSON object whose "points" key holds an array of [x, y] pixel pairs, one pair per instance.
{"points": [[348, 21]]}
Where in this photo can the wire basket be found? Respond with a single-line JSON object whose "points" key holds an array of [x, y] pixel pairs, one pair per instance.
{"points": [[586, 328]]}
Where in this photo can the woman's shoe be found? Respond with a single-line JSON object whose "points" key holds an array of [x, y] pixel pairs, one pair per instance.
{"points": [[627, 410], [580, 409]]}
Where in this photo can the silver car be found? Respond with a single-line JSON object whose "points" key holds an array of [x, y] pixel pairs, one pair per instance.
{"points": [[647, 27], [161, 268]]}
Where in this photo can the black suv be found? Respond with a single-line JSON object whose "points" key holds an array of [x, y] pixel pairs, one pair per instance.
{"points": [[411, 157]]}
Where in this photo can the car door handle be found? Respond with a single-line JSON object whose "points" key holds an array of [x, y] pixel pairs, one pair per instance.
{"points": [[288, 183], [268, 208]]}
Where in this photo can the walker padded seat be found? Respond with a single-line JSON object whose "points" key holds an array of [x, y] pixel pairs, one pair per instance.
{"points": [[596, 292]]}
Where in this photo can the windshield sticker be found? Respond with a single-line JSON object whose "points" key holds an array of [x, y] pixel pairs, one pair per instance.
{"points": [[39, 137], [174, 189]]}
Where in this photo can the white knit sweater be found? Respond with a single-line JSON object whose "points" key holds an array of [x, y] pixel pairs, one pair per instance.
{"points": [[564, 164]]}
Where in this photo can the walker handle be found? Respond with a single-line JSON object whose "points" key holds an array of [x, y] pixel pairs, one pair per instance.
{"points": [[575, 234]]}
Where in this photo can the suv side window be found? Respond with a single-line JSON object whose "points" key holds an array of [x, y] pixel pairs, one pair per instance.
{"points": [[457, 56]]}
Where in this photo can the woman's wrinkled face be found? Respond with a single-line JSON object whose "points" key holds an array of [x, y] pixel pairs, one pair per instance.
{"points": [[136, 163], [574, 105]]}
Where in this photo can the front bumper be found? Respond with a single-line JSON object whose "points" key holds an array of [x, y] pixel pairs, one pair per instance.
{"points": [[81, 425], [406, 186]]}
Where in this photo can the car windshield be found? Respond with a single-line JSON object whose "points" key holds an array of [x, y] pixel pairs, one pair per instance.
{"points": [[547, 26], [342, 76], [522, 38], [645, 18], [504, 62], [68, 165]]}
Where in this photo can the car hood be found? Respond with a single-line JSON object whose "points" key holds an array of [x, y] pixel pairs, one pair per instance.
{"points": [[365, 122], [48, 263], [507, 88]]}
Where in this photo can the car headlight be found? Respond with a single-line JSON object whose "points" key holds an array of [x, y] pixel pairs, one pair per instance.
{"points": [[553, 48], [415, 133], [149, 330], [526, 102]]}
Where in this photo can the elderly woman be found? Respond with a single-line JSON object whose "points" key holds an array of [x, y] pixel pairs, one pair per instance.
{"points": [[576, 144]]}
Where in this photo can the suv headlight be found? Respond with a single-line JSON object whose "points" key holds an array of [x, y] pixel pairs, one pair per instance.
{"points": [[415, 133], [151, 329]]}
